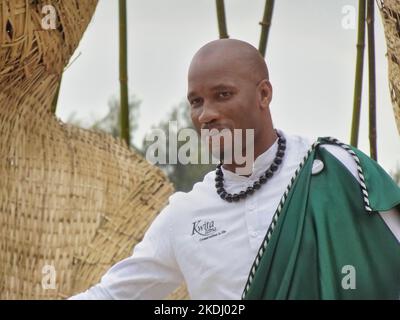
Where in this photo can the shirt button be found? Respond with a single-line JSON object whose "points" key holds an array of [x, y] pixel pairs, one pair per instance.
{"points": [[254, 234], [251, 206]]}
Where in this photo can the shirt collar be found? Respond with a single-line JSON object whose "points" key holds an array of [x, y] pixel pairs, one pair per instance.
{"points": [[260, 165]]}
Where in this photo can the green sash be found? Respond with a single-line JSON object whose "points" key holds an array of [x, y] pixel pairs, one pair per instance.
{"points": [[325, 245]]}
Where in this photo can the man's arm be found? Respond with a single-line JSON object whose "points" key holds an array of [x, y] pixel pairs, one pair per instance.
{"points": [[150, 273]]}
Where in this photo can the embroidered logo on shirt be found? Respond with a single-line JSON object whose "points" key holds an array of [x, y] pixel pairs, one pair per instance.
{"points": [[205, 229]]}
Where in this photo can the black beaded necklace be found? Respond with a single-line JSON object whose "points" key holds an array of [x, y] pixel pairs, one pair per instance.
{"points": [[219, 179]]}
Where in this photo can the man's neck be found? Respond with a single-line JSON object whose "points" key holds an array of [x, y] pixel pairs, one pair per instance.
{"points": [[261, 145]]}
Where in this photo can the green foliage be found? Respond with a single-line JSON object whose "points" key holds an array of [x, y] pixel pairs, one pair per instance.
{"points": [[110, 123], [183, 176]]}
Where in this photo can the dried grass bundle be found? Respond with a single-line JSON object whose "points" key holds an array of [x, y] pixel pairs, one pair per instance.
{"points": [[390, 12], [71, 198]]}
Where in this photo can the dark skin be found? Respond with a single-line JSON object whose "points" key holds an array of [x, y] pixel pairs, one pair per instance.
{"points": [[229, 88]]}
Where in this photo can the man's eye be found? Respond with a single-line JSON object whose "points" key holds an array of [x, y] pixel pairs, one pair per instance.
{"points": [[224, 94], [195, 102]]}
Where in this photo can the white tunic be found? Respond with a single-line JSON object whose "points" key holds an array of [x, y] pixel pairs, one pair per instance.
{"points": [[207, 242]]}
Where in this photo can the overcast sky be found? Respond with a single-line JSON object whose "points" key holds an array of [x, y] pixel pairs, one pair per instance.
{"points": [[311, 59]]}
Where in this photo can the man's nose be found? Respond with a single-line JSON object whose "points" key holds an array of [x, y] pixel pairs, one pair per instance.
{"points": [[208, 114]]}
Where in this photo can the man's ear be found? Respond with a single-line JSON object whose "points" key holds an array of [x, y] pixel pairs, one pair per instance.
{"points": [[264, 93]]}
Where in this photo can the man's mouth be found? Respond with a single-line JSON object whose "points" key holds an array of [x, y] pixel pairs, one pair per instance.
{"points": [[214, 130]]}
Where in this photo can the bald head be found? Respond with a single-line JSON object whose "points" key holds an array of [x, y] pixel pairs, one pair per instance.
{"points": [[236, 54]]}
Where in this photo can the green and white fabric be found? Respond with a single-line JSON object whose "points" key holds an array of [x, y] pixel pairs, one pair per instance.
{"points": [[327, 239]]}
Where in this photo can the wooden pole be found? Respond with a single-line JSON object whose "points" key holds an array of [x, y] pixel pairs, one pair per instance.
{"points": [[123, 73], [371, 79], [223, 31], [355, 125], [266, 26]]}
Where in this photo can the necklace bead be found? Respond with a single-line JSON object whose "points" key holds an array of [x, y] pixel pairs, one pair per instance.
{"points": [[219, 176]]}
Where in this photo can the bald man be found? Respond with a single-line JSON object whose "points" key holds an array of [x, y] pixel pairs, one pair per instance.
{"points": [[311, 220]]}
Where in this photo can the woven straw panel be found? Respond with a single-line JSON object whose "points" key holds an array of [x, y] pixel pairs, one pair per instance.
{"points": [[390, 13], [71, 198]]}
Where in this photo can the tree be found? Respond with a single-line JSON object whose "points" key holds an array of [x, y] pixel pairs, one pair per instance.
{"points": [[110, 122], [183, 176]]}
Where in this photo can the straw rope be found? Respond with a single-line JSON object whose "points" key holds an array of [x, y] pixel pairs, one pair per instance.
{"points": [[390, 13], [70, 198]]}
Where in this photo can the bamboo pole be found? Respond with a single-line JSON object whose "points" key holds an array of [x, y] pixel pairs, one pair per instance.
{"points": [[222, 28], [371, 79], [355, 125], [123, 73], [266, 26]]}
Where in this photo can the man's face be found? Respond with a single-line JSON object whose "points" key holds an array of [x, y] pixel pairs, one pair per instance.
{"points": [[223, 95]]}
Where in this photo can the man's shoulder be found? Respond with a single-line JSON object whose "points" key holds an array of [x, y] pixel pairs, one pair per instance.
{"points": [[297, 147], [380, 190], [344, 157], [352, 159], [298, 142], [303, 143]]}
